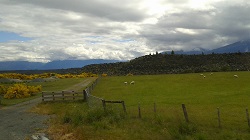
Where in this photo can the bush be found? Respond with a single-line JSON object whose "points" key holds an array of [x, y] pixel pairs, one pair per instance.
{"points": [[104, 75], [3, 89], [21, 91]]}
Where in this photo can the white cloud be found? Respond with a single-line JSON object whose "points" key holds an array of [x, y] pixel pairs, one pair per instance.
{"points": [[89, 29]]}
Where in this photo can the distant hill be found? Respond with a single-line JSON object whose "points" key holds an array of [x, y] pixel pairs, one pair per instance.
{"points": [[175, 64], [61, 64], [240, 46]]}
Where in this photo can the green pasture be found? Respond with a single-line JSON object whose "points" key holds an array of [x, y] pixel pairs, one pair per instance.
{"points": [[58, 85], [201, 96]]}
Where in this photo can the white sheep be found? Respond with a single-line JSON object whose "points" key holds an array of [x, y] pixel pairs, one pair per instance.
{"points": [[204, 76], [125, 83], [201, 74], [132, 82], [236, 76], [211, 73]]}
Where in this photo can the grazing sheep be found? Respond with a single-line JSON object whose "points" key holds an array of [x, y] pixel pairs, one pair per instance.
{"points": [[201, 74], [236, 76], [204, 76], [125, 83], [132, 82], [211, 73]]}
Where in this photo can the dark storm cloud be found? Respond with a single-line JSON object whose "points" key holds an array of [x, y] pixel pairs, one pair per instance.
{"points": [[233, 21], [208, 29]]}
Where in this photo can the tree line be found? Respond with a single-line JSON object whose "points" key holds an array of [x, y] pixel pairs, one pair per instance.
{"points": [[174, 64]]}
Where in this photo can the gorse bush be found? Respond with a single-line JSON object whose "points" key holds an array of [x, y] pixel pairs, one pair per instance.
{"points": [[19, 91], [3, 89]]}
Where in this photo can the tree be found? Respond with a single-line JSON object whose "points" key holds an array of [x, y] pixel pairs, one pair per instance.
{"points": [[172, 52]]}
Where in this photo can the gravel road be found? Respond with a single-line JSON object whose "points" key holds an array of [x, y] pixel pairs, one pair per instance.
{"points": [[16, 123]]}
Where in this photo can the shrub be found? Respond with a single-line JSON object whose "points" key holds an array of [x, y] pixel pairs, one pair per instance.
{"points": [[21, 91], [3, 89], [104, 75]]}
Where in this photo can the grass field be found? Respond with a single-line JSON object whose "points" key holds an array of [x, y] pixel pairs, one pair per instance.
{"points": [[201, 96]]}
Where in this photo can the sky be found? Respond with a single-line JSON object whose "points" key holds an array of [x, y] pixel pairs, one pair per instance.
{"points": [[47, 30]]}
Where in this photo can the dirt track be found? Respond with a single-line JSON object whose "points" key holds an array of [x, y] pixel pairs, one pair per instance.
{"points": [[17, 123]]}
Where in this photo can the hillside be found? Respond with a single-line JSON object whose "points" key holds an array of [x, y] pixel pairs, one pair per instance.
{"points": [[170, 64]]}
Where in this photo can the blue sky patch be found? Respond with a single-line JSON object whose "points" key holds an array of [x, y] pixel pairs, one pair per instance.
{"points": [[123, 40], [9, 36]]}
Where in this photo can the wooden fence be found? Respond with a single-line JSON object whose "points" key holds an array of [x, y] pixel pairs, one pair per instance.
{"points": [[69, 95], [60, 96]]}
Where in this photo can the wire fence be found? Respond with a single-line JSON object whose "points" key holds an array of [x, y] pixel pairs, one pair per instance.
{"points": [[97, 102], [225, 117], [93, 101]]}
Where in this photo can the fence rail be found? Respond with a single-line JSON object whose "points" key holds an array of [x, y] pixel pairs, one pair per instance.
{"points": [[64, 95], [69, 95]]}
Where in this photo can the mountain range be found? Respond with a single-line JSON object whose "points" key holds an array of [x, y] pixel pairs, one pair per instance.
{"points": [[240, 46], [60, 64]]}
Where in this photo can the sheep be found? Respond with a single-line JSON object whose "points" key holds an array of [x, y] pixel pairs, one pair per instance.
{"points": [[204, 76], [132, 82], [211, 73], [236, 76], [125, 83], [201, 74]]}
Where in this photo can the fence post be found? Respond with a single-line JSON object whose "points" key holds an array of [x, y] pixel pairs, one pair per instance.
{"points": [[43, 96], [53, 96], [104, 105], [247, 114], [124, 107], [85, 96], [185, 112], [63, 94], [73, 94], [218, 113], [139, 110]]}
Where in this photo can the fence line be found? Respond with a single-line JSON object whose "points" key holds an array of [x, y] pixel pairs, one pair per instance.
{"points": [[94, 101], [68, 95], [60, 96]]}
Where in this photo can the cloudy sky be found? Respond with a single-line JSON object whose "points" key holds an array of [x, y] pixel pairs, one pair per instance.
{"points": [[47, 30]]}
